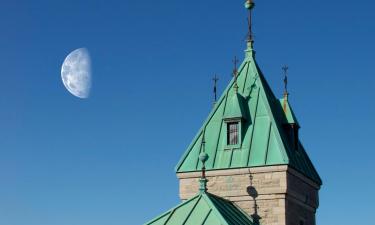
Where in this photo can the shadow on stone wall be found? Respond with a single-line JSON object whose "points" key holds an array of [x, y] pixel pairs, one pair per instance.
{"points": [[254, 194]]}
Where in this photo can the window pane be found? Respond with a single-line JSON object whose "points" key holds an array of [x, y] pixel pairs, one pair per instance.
{"points": [[232, 135]]}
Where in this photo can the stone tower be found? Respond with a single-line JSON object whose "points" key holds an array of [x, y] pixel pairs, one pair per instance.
{"points": [[256, 159]]}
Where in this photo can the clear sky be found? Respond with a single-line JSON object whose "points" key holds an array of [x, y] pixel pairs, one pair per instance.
{"points": [[110, 159]]}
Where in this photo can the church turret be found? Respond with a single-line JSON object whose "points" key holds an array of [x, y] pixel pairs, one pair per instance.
{"points": [[256, 158], [257, 172]]}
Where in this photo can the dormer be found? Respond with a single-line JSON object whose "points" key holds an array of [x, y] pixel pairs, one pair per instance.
{"points": [[234, 119], [290, 125]]}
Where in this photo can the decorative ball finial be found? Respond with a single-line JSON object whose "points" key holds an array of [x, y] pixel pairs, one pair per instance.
{"points": [[203, 157], [249, 4]]}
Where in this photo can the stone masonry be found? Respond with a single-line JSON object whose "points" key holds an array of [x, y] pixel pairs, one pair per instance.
{"points": [[276, 195]]}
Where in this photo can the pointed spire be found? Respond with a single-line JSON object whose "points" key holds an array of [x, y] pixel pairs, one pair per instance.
{"points": [[215, 79], [203, 157], [235, 74]]}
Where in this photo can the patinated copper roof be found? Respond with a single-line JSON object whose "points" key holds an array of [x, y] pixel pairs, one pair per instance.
{"points": [[263, 139]]}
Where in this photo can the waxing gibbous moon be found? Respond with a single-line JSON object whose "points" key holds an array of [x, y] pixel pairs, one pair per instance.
{"points": [[76, 73]]}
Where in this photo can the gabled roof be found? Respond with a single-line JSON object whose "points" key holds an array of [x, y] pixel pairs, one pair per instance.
{"points": [[204, 209], [288, 111], [264, 142], [236, 109]]}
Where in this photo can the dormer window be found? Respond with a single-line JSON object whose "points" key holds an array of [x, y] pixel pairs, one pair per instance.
{"points": [[234, 119], [291, 125], [233, 133]]}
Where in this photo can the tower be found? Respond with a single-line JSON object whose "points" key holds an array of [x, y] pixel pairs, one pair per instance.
{"points": [[256, 163], [256, 158]]}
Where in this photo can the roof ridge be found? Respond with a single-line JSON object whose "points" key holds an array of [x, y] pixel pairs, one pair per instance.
{"points": [[264, 83], [235, 207], [170, 211], [214, 209]]}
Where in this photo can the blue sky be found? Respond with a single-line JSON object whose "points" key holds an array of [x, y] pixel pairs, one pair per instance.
{"points": [[110, 159]]}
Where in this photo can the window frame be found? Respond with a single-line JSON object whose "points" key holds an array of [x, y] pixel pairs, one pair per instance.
{"points": [[239, 130]]}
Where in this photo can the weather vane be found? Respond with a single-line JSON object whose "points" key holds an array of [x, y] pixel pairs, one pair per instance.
{"points": [[285, 69], [286, 94], [235, 73], [215, 79], [249, 4]]}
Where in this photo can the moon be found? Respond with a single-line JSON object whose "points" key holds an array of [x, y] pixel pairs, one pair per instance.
{"points": [[76, 73]]}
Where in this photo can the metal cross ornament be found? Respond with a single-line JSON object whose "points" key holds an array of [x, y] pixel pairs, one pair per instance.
{"points": [[235, 62], [235, 73], [285, 69], [215, 79]]}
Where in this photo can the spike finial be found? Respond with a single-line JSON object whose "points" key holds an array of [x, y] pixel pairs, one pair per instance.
{"points": [[249, 5], [235, 74], [285, 69], [203, 157], [250, 53], [215, 79], [286, 93]]}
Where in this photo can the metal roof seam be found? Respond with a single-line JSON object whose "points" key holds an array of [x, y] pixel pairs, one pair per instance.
{"points": [[268, 144], [253, 129], [195, 205]]}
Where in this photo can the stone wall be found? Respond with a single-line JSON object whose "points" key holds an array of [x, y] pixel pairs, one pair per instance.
{"points": [[298, 214], [302, 200], [267, 193]]}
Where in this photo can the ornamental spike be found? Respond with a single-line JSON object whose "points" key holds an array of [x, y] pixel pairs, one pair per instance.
{"points": [[203, 157], [249, 5], [286, 93]]}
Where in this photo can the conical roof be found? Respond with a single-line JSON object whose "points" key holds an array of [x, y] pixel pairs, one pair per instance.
{"points": [[204, 209], [263, 140]]}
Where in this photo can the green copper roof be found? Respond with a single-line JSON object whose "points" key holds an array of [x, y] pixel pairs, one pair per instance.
{"points": [[204, 209], [235, 109], [263, 140], [288, 111]]}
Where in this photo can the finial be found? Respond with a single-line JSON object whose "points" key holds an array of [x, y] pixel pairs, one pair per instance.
{"points": [[235, 73], [249, 5], [215, 79], [285, 69], [250, 53], [286, 94], [203, 157]]}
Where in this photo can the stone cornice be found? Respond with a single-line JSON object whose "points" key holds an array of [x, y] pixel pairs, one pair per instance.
{"points": [[253, 170]]}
